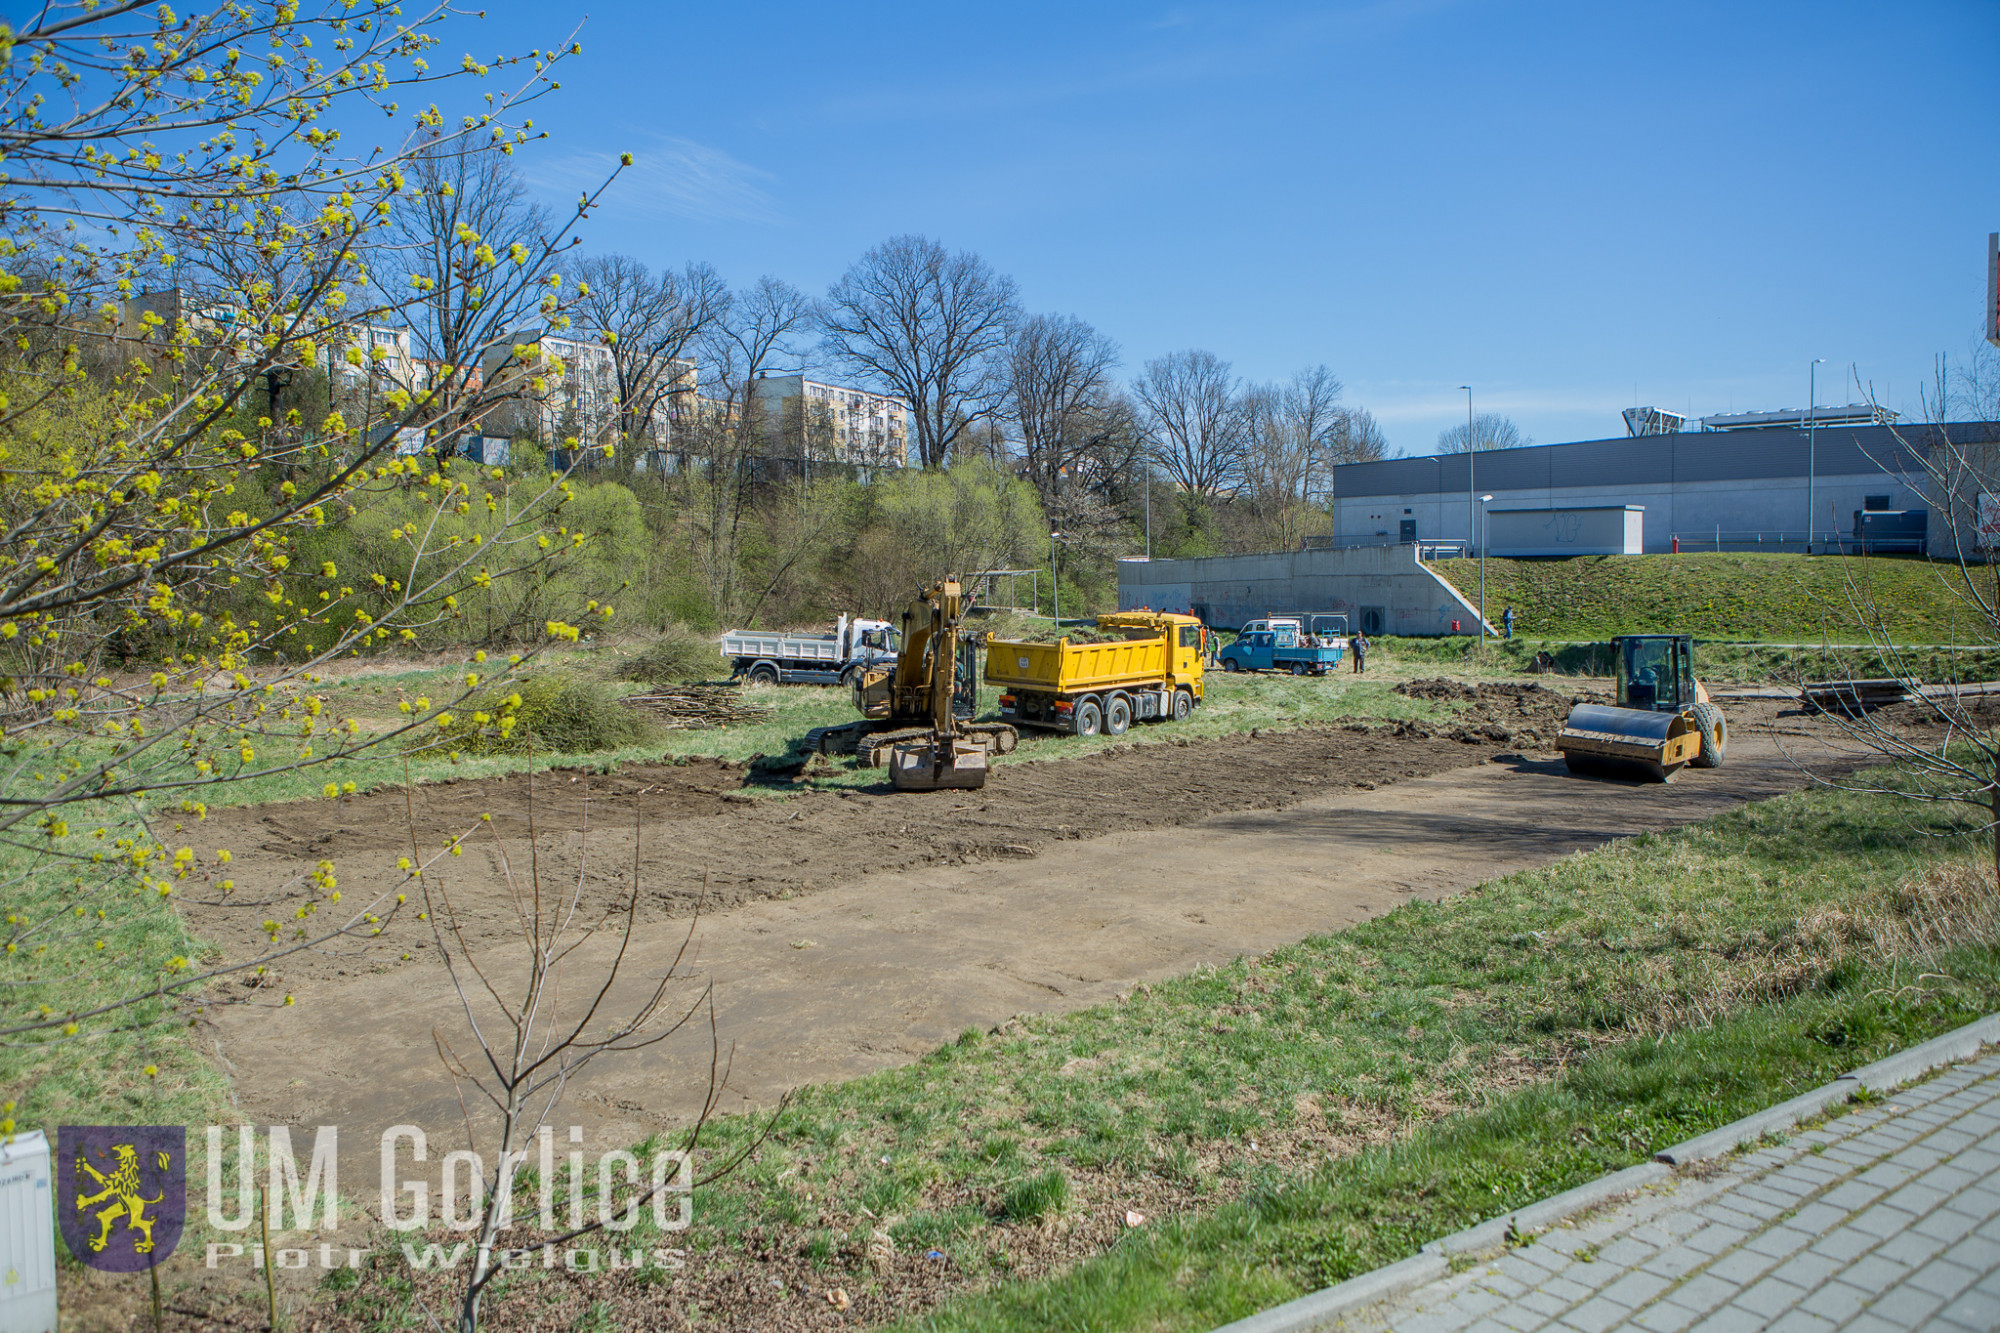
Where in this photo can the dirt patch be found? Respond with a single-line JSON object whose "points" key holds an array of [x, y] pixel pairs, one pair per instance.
{"points": [[699, 832], [1284, 835], [1526, 716]]}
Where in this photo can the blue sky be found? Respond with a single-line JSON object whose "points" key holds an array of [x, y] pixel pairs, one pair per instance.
{"points": [[1565, 205]]}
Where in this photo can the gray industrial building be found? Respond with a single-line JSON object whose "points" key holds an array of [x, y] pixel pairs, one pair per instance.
{"points": [[1743, 488], [1736, 488]]}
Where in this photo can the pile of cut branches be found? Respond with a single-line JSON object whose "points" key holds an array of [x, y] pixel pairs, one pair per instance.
{"points": [[696, 707]]}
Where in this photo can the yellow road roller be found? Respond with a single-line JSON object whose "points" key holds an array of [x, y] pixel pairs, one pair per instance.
{"points": [[1663, 719]]}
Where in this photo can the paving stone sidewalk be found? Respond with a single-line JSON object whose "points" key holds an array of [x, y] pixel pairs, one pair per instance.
{"points": [[1885, 1218]]}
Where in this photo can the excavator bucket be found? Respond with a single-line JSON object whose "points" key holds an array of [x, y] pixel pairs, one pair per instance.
{"points": [[1627, 742], [938, 764]]}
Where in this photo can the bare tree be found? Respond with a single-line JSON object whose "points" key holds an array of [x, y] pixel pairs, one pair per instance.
{"points": [[465, 290], [1946, 743], [760, 327], [530, 1041], [1969, 391], [1193, 410], [928, 325], [1292, 432], [1358, 439], [649, 321], [763, 327], [1058, 389], [1489, 430]]}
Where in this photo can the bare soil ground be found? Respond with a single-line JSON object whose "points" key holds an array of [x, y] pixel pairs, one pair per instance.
{"points": [[849, 931], [703, 833]]}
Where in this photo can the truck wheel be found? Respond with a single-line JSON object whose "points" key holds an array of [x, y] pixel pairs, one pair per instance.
{"points": [[1117, 715], [1229, 664], [763, 674], [1087, 720], [1298, 668], [1714, 736], [850, 677], [1183, 705]]}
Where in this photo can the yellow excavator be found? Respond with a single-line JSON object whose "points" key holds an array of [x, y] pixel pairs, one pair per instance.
{"points": [[1663, 719], [918, 713]]}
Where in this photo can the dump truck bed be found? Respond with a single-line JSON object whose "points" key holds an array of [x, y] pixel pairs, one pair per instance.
{"points": [[782, 647], [1077, 668]]}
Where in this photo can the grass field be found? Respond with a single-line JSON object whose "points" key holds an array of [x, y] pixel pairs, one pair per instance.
{"points": [[1293, 1119], [1722, 662], [1231, 704], [1766, 598]]}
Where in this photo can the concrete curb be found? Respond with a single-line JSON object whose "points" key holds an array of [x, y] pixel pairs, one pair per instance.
{"points": [[1770, 1120], [1892, 1072], [1885, 1075], [1492, 1233], [1315, 1310], [1312, 1311]]}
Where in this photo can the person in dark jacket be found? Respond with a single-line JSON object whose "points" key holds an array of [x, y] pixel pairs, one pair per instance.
{"points": [[1360, 653], [1507, 621]]}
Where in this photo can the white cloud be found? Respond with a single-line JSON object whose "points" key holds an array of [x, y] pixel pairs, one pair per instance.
{"points": [[670, 175]]}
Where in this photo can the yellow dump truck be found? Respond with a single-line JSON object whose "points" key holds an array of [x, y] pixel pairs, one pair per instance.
{"points": [[1152, 671]]}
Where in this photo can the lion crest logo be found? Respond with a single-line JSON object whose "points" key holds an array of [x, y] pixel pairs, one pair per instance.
{"points": [[121, 1192]]}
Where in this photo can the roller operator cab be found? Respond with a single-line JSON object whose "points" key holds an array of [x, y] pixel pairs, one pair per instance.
{"points": [[1151, 672], [1663, 719]]}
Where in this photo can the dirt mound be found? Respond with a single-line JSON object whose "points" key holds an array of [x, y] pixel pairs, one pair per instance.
{"points": [[1524, 717], [1438, 688]]}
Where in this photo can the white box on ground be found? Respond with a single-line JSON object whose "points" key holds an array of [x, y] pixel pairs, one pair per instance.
{"points": [[27, 1237]]}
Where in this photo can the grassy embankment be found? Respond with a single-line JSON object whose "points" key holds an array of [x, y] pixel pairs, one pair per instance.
{"points": [[1745, 597], [1293, 1119], [1715, 662]]}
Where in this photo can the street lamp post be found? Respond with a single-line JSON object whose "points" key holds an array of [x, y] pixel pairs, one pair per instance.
{"points": [[1471, 516], [1484, 500], [1055, 579], [1812, 410]]}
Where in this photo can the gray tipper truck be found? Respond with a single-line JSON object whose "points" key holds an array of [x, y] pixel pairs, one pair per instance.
{"points": [[811, 659]]}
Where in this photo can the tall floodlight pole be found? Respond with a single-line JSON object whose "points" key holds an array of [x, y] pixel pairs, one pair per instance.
{"points": [[1812, 471], [1484, 529], [1148, 473], [1471, 512], [1055, 579]]}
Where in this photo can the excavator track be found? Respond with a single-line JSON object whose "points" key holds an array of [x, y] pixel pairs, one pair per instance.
{"points": [[871, 747]]}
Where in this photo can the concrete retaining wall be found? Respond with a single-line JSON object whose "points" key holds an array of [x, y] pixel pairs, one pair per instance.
{"points": [[1385, 590]]}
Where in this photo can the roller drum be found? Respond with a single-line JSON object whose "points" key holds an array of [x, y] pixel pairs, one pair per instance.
{"points": [[1627, 742]]}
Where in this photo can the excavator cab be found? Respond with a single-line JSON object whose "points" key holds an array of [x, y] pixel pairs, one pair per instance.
{"points": [[965, 681]]}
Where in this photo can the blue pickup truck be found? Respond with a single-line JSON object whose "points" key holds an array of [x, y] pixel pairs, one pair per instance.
{"points": [[1284, 643]]}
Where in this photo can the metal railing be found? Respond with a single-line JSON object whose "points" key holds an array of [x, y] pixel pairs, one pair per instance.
{"points": [[1823, 540], [1426, 550]]}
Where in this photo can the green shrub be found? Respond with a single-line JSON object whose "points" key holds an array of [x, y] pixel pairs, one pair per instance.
{"points": [[678, 654], [553, 713]]}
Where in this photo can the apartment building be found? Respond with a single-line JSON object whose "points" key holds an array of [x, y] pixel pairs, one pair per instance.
{"points": [[833, 423], [387, 361], [580, 400]]}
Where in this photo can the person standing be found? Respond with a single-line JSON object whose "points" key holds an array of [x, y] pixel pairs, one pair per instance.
{"points": [[1507, 621], [1360, 652]]}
